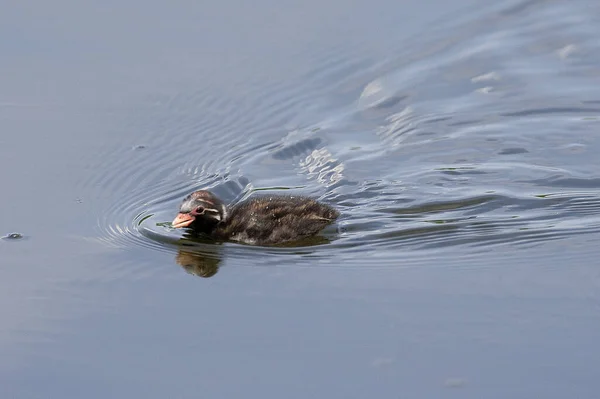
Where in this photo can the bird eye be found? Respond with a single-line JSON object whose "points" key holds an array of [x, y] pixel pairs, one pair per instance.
{"points": [[200, 210]]}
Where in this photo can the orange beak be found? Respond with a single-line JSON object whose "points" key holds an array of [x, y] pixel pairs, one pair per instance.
{"points": [[182, 220]]}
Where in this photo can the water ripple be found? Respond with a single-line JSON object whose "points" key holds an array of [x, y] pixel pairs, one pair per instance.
{"points": [[452, 146]]}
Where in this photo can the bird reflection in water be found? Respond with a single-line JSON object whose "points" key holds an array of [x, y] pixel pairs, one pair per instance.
{"points": [[198, 254], [202, 257], [198, 264]]}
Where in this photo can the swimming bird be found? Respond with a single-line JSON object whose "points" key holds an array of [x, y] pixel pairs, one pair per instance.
{"points": [[264, 220]]}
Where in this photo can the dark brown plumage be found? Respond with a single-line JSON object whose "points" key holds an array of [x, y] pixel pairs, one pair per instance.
{"points": [[265, 220]]}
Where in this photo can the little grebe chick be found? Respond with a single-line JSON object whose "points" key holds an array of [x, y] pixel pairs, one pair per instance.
{"points": [[265, 220]]}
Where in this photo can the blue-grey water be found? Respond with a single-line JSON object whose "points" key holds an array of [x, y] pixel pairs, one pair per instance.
{"points": [[459, 140]]}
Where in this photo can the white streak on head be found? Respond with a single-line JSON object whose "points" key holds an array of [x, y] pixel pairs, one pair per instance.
{"points": [[223, 213]]}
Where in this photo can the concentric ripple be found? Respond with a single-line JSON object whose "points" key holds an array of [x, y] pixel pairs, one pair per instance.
{"points": [[446, 153]]}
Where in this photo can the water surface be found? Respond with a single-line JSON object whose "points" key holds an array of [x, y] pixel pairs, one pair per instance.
{"points": [[459, 141]]}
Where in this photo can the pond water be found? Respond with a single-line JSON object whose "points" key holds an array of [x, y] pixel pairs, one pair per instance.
{"points": [[459, 141]]}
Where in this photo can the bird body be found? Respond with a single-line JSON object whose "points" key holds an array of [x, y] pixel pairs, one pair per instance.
{"points": [[265, 220]]}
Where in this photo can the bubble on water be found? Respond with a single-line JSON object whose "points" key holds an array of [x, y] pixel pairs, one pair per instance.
{"points": [[13, 236]]}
